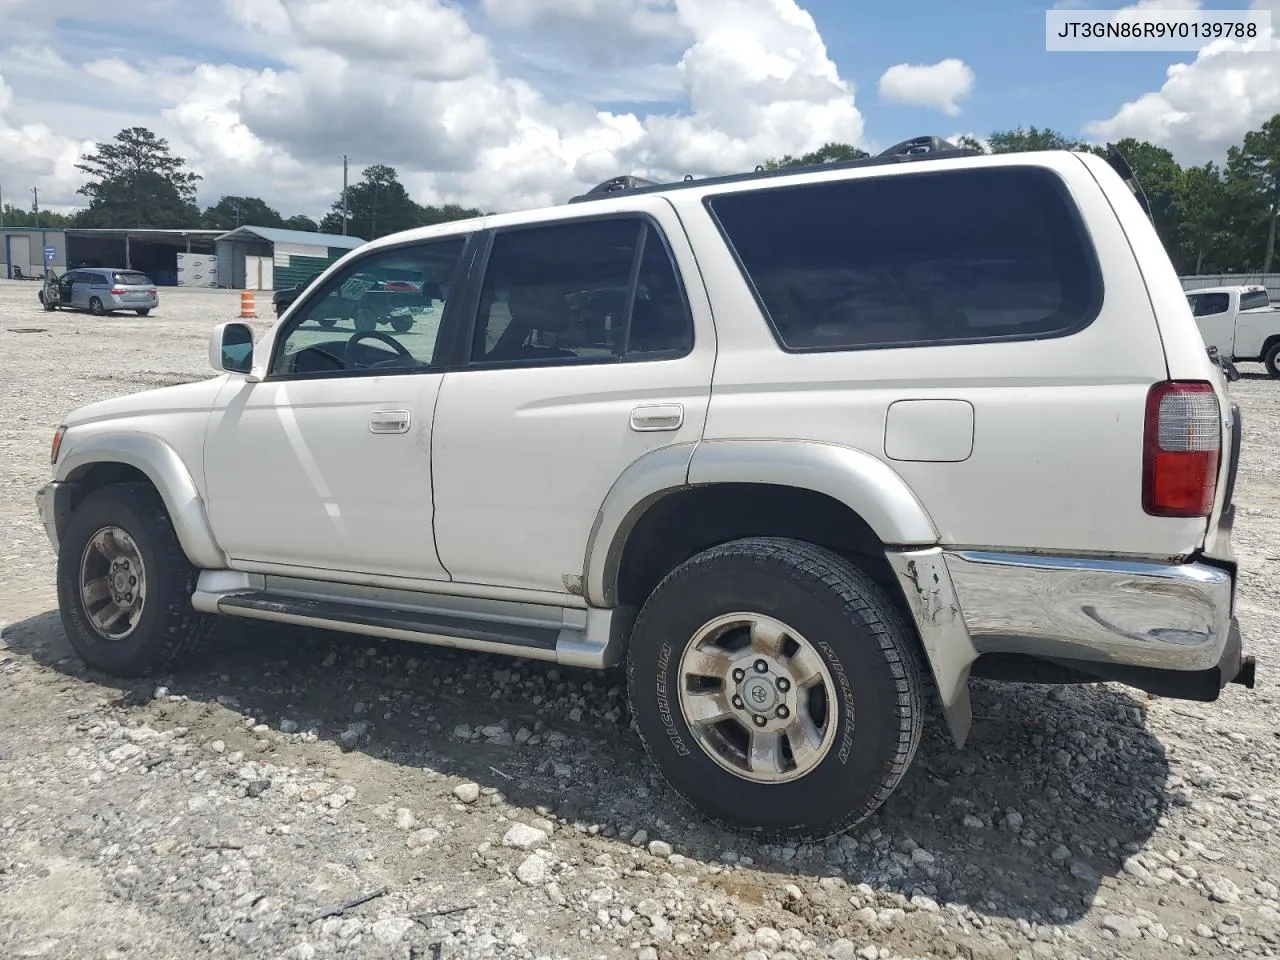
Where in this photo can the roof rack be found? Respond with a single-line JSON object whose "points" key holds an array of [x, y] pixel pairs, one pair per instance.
{"points": [[917, 148]]}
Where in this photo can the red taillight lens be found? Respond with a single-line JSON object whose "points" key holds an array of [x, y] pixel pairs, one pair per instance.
{"points": [[117, 291], [151, 292], [1181, 445]]}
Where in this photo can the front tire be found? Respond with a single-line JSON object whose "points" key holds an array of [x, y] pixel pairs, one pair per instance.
{"points": [[746, 667], [125, 585], [1272, 360]]}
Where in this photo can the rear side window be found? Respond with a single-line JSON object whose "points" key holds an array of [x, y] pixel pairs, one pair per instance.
{"points": [[915, 259], [130, 279], [1254, 300], [1208, 304]]}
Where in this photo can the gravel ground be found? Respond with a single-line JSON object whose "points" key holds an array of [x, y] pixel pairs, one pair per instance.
{"points": [[490, 807]]}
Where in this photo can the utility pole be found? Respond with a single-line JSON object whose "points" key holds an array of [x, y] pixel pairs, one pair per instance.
{"points": [[1, 208], [344, 194], [35, 204]]}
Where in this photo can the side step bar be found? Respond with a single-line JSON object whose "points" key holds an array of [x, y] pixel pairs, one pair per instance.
{"points": [[590, 638]]}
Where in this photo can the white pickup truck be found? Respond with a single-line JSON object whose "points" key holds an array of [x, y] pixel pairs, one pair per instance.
{"points": [[1240, 322], [801, 449]]}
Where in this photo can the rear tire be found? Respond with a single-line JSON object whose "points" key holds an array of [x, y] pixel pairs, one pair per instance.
{"points": [[1272, 360], [96, 307], [401, 324], [125, 585], [840, 646], [143, 312]]}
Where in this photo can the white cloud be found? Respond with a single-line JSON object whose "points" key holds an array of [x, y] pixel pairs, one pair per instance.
{"points": [[427, 88], [939, 85], [1207, 105]]}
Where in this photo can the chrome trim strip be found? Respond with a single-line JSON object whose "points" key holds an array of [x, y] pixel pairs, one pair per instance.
{"points": [[1167, 616]]}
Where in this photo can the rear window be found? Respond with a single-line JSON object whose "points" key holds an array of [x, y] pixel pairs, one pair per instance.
{"points": [[1254, 300], [1207, 304], [130, 279], [915, 259]]}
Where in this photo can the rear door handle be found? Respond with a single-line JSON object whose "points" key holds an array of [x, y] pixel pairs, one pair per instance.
{"points": [[652, 417], [389, 421]]}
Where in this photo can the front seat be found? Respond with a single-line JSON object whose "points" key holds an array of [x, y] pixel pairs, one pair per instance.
{"points": [[541, 308]]}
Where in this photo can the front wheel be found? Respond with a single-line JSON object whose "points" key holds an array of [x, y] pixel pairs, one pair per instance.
{"points": [[1272, 360], [746, 668], [125, 585]]}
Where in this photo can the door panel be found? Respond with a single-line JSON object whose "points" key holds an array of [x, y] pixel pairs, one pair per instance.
{"points": [[571, 378], [326, 463], [1216, 320]]}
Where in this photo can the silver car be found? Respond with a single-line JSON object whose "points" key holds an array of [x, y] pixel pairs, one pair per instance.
{"points": [[101, 290]]}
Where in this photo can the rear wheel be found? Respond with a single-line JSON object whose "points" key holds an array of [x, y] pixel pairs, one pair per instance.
{"points": [[401, 324], [142, 312], [96, 307], [745, 670], [125, 585], [1272, 359]]}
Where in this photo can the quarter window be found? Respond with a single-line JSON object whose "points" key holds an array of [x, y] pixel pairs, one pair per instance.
{"points": [[381, 313], [915, 259], [595, 291]]}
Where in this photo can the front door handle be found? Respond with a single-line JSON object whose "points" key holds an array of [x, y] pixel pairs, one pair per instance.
{"points": [[389, 421], [652, 417]]}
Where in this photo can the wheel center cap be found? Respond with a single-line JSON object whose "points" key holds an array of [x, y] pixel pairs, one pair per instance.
{"points": [[121, 581], [759, 695]]}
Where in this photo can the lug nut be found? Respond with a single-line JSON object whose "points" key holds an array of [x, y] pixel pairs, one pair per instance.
{"points": [[784, 684], [761, 666], [739, 674], [783, 713], [133, 581], [737, 702], [759, 720]]}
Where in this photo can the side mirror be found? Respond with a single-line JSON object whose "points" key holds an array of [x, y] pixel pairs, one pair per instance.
{"points": [[231, 348]]}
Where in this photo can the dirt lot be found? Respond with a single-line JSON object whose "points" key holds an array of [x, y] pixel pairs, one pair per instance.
{"points": [[501, 808]]}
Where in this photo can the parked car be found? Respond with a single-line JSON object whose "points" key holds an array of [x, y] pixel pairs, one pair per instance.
{"points": [[799, 448], [100, 290], [1240, 322], [282, 299]]}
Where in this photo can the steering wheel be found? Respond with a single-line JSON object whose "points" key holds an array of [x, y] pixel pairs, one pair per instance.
{"points": [[390, 341]]}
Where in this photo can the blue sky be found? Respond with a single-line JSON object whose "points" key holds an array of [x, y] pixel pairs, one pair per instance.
{"points": [[514, 102]]}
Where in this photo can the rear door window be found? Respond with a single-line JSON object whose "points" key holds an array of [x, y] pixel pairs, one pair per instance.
{"points": [[1208, 304], [915, 259]]}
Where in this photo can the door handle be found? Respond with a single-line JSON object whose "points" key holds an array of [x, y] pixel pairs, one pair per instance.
{"points": [[652, 417], [389, 421]]}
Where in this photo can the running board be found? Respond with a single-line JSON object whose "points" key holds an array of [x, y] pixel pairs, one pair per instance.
{"points": [[590, 638]]}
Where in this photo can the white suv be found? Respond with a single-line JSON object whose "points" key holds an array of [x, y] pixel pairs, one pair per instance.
{"points": [[801, 449]]}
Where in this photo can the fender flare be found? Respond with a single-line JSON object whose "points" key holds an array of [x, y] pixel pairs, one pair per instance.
{"points": [[863, 483], [167, 473]]}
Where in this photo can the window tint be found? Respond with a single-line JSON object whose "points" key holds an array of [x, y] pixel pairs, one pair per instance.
{"points": [[381, 312], [1207, 304], [915, 259], [1254, 300], [130, 278], [564, 292]]}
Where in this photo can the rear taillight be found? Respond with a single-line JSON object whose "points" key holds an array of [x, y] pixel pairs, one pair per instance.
{"points": [[1181, 445], [117, 291], [151, 292]]}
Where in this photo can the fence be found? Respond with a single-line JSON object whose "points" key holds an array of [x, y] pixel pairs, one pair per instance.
{"points": [[1269, 280]]}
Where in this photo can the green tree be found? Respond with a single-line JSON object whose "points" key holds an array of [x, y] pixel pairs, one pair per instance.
{"points": [[136, 182], [379, 204], [17, 217], [1019, 140], [827, 153], [1161, 178], [301, 222], [970, 143], [1256, 166], [231, 212], [1200, 209]]}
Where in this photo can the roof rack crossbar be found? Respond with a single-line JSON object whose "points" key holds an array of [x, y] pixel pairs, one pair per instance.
{"points": [[915, 149]]}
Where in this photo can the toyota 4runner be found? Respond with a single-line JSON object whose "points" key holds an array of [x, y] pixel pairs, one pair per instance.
{"points": [[801, 449]]}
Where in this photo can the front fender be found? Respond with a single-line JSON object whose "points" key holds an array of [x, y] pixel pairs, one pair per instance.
{"points": [[167, 473], [866, 485]]}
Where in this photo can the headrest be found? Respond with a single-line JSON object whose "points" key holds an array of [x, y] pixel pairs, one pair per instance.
{"points": [[540, 307]]}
